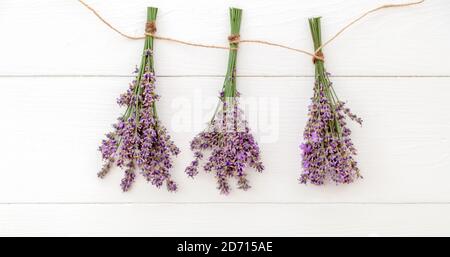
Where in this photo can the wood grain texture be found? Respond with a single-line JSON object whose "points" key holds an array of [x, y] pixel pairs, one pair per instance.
{"points": [[61, 71], [56, 126], [241, 220]]}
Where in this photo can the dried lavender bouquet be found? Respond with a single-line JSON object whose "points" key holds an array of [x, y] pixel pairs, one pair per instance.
{"points": [[327, 151], [227, 136], [139, 140]]}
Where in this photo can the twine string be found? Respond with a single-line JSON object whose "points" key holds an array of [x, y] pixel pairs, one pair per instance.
{"points": [[150, 27], [234, 39], [386, 6], [150, 30], [174, 40], [319, 54], [107, 23]]}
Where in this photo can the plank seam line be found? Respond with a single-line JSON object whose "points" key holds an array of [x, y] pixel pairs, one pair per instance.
{"points": [[224, 203], [217, 76]]}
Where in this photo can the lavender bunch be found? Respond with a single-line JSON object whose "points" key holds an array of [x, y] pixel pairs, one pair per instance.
{"points": [[327, 151], [139, 140], [227, 136]]}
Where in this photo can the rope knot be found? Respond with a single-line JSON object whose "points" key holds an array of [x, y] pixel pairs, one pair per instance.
{"points": [[150, 28], [318, 57], [234, 39]]}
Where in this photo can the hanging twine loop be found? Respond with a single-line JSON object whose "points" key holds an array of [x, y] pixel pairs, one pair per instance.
{"points": [[150, 28]]}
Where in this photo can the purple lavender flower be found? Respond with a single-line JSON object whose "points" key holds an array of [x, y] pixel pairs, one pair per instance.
{"points": [[327, 151], [139, 139], [128, 180], [227, 137], [232, 148]]}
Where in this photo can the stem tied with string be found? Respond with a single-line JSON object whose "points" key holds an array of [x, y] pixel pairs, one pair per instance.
{"points": [[139, 140], [227, 136], [327, 151]]}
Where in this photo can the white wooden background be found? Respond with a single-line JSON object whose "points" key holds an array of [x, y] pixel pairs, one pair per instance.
{"points": [[61, 71]]}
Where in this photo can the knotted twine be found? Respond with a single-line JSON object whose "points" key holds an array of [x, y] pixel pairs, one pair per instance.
{"points": [[150, 30]]}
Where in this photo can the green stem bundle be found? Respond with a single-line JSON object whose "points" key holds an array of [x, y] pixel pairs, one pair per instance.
{"points": [[323, 82], [229, 90], [146, 61], [229, 86], [139, 140], [327, 150]]}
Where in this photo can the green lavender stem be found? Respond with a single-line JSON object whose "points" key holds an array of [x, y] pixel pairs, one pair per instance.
{"points": [[229, 86], [147, 60], [148, 44], [321, 75], [152, 12]]}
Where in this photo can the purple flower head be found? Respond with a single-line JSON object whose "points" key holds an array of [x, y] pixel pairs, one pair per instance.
{"points": [[148, 52], [315, 137], [306, 148], [232, 148], [327, 150], [139, 140], [128, 180], [228, 139], [172, 186], [108, 147]]}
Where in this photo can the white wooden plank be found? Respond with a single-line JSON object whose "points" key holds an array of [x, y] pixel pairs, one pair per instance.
{"points": [[62, 37], [51, 129], [208, 220]]}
